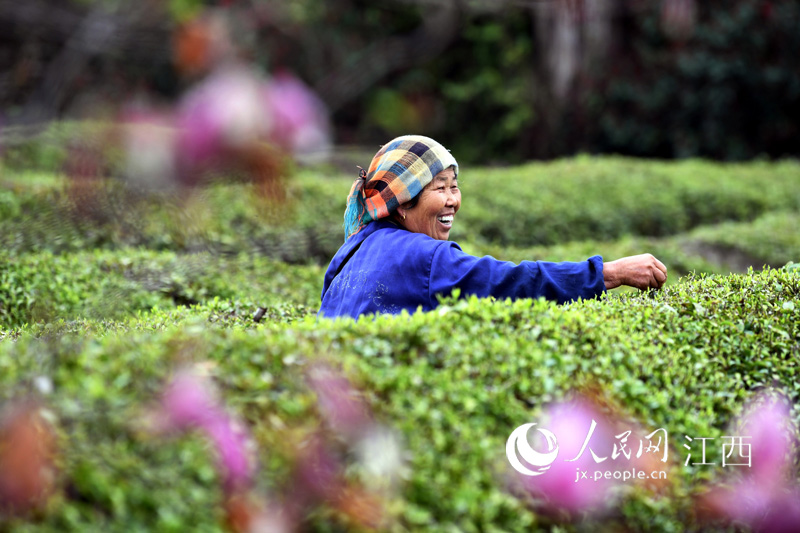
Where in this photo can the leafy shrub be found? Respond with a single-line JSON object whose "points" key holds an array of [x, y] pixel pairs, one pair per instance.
{"points": [[116, 284], [605, 198], [574, 199], [772, 239], [455, 382]]}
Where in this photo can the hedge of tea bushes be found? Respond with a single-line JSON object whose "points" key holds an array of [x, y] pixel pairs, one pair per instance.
{"points": [[679, 259], [113, 284], [40, 211], [597, 198], [453, 382], [772, 239], [608, 197]]}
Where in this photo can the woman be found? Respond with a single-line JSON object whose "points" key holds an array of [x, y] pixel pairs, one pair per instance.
{"points": [[397, 255]]}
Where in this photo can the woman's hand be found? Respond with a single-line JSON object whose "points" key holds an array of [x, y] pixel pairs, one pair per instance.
{"points": [[641, 271]]}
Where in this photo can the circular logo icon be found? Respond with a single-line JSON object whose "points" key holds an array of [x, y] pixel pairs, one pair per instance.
{"points": [[518, 443]]}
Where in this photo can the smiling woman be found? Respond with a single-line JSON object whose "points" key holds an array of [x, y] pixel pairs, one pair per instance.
{"points": [[397, 255], [436, 208]]}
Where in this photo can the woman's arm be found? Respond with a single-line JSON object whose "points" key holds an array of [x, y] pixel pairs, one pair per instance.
{"points": [[486, 276], [641, 271]]}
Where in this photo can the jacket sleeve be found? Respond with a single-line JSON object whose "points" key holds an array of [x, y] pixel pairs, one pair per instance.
{"points": [[486, 276]]}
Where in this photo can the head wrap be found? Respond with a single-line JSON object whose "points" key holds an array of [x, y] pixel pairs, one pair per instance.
{"points": [[398, 172]]}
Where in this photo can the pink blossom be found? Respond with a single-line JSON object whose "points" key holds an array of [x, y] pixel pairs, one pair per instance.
{"points": [[317, 475], [784, 515], [231, 442], [300, 120], [557, 487], [225, 111], [190, 402], [762, 497], [339, 403], [770, 439]]}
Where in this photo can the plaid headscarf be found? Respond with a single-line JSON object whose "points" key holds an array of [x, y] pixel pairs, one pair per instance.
{"points": [[398, 172]]}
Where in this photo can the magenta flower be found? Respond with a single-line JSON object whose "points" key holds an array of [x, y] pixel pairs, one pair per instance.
{"points": [[300, 120], [768, 426], [226, 111], [339, 403], [190, 402], [784, 515], [561, 487], [762, 497], [318, 473], [232, 443]]}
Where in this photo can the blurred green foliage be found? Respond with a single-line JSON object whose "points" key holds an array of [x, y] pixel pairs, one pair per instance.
{"points": [[582, 198], [479, 75], [488, 93], [730, 91]]}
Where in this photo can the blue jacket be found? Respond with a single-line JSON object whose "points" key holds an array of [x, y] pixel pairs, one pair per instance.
{"points": [[385, 269]]}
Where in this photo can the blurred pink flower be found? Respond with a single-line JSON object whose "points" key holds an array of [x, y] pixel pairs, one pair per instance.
{"points": [[190, 402], [760, 506], [768, 426], [339, 403], [557, 487], [232, 442], [317, 476], [784, 515], [300, 119], [226, 111], [765, 497]]}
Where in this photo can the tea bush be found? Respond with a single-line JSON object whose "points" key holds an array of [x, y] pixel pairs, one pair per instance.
{"points": [[454, 382], [606, 198], [772, 239], [583, 198], [102, 300], [115, 284]]}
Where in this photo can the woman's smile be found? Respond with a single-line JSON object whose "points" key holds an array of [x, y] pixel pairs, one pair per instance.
{"points": [[435, 211]]}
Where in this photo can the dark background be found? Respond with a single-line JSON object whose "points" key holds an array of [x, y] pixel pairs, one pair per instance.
{"points": [[497, 81]]}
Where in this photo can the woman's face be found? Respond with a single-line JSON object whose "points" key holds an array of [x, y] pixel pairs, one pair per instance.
{"points": [[438, 203]]}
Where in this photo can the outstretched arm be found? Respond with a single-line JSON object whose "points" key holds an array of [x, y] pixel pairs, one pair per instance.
{"points": [[641, 271], [486, 276]]}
